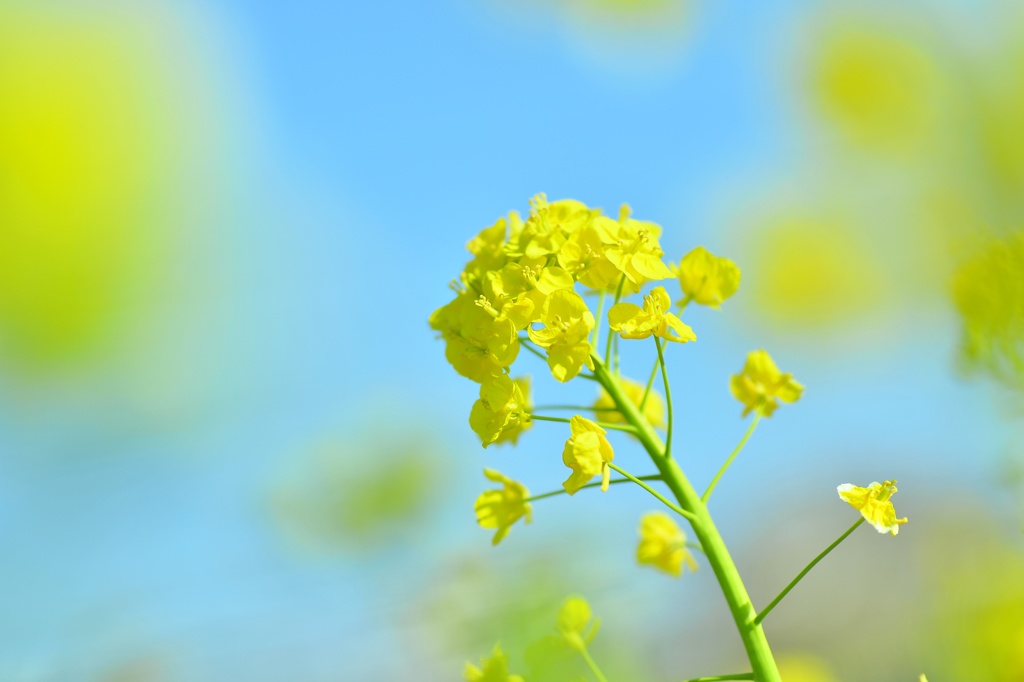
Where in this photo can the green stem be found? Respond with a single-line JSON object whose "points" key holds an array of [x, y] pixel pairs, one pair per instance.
{"points": [[604, 425], [650, 382], [597, 326], [668, 397], [721, 472], [553, 493], [593, 666], [674, 507], [807, 569], [578, 408], [737, 676], [762, 662], [611, 334]]}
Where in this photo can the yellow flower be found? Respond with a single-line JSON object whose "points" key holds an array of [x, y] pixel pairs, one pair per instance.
{"points": [[500, 508], [477, 344], [502, 412], [587, 453], [654, 408], [495, 669], [573, 618], [663, 544], [760, 386], [655, 318], [634, 249], [707, 279], [874, 505], [583, 256], [567, 324], [550, 224]]}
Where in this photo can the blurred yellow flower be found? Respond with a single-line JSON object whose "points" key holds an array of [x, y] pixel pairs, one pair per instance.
{"points": [[84, 164], [654, 318], [654, 408], [663, 544], [813, 268], [760, 385], [707, 279], [874, 505], [495, 669], [804, 668], [573, 619], [880, 88], [587, 453], [988, 291], [500, 508]]}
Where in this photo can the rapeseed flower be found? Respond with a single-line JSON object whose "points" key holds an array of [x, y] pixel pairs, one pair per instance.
{"points": [[503, 410], [656, 318], [707, 279], [567, 324], [663, 544], [587, 453], [760, 386], [654, 408], [494, 669], [573, 619], [874, 505], [634, 248], [501, 507]]}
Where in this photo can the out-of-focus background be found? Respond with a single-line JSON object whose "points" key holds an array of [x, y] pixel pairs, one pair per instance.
{"points": [[230, 447]]}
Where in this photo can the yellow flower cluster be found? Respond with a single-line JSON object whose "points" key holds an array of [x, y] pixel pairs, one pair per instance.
{"points": [[522, 278]]}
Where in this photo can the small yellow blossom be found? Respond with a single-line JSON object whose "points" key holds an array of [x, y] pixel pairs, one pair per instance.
{"points": [[587, 453], [634, 249], [663, 544], [573, 619], [707, 279], [502, 412], [654, 408], [874, 505], [760, 386], [479, 345], [583, 256], [567, 325], [495, 669], [634, 322], [500, 508]]}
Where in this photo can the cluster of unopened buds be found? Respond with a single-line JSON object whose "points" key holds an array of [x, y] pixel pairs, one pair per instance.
{"points": [[522, 291]]}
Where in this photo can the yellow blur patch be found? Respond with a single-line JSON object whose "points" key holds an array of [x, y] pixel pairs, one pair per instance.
{"points": [[881, 90], [804, 668], [812, 271], [79, 156]]}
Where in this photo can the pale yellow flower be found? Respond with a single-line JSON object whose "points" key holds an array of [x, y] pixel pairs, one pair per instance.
{"points": [[587, 453], [874, 505], [707, 279], [503, 411], [760, 386], [573, 619], [663, 544], [654, 408], [502, 507], [656, 318], [494, 669]]}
